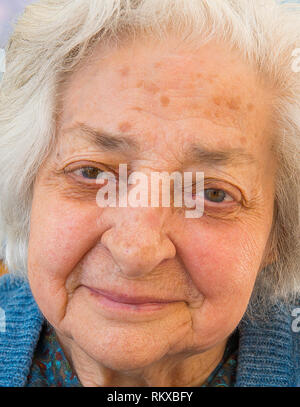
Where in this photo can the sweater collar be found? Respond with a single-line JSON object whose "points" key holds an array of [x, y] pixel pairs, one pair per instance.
{"points": [[23, 323], [265, 356]]}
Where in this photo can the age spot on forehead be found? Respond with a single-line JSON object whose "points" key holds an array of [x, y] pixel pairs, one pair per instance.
{"points": [[250, 107], [164, 100], [124, 127], [148, 86], [234, 103], [217, 100], [137, 108], [212, 78]]}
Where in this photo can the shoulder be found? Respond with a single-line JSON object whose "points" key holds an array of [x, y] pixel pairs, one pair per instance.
{"points": [[15, 293], [20, 325], [295, 328], [17, 301], [269, 348], [9, 282], [10, 285]]}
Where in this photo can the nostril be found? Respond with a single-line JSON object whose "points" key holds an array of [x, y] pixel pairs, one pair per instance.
{"points": [[137, 254]]}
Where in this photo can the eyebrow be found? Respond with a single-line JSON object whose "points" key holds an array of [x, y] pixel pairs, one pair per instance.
{"points": [[105, 140], [196, 154], [232, 156]]}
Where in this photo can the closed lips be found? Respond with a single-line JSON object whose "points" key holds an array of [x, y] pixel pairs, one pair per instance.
{"points": [[130, 300]]}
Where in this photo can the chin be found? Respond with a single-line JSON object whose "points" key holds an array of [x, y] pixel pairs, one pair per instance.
{"points": [[121, 360]]}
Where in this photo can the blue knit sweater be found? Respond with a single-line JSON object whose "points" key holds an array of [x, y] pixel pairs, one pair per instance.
{"points": [[269, 352]]}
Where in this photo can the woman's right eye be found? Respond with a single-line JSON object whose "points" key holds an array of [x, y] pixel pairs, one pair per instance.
{"points": [[91, 173]]}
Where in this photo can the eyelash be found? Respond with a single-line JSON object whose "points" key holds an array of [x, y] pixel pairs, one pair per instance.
{"points": [[212, 189]]}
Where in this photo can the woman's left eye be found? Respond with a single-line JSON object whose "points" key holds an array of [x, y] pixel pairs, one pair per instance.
{"points": [[217, 195]]}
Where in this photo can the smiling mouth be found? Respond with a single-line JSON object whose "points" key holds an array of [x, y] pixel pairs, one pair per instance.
{"points": [[121, 301]]}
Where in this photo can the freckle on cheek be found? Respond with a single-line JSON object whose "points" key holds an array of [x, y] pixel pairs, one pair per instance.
{"points": [[124, 126], [250, 107], [243, 140], [164, 100]]}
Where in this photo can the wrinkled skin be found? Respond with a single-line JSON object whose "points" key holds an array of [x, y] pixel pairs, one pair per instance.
{"points": [[164, 98]]}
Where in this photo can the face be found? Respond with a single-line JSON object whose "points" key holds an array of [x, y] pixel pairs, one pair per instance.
{"points": [[155, 108]]}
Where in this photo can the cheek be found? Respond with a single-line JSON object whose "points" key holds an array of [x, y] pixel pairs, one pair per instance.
{"points": [[60, 235], [222, 262], [223, 259]]}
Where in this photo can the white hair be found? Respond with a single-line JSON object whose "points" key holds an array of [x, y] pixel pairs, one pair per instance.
{"points": [[53, 36]]}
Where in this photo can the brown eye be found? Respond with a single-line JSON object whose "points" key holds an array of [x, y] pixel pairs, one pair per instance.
{"points": [[216, 195], [90, 172]]}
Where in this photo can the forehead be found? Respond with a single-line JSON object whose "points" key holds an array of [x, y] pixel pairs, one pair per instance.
{"points": [[164, 93]]}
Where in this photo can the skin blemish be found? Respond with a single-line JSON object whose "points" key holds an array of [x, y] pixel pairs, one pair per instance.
{"points": [[243, 140], [157, 65], [124, 127], [212, 78], [137, 108], [164, 100], [125, 71], [250, 107], [151, 87], [234, 103], [217, 100], [208, 113], [213, 114], [148, 86]]}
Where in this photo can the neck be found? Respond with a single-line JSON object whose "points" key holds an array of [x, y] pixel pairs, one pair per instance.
{"points": [[170, 371]]}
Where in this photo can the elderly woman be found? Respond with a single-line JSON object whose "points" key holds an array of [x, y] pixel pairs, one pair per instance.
{"points": [[143, 295]]}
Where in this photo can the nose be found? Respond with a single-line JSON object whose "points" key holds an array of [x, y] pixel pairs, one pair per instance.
{"points": [[138, 240]]}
